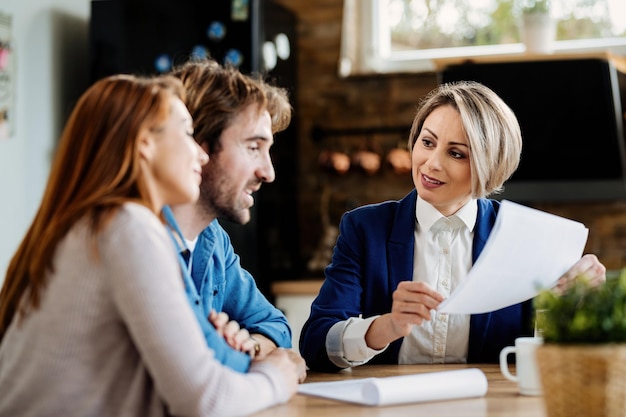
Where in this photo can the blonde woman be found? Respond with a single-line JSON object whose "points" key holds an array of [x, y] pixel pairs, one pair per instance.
{"points": [[394, 262]]}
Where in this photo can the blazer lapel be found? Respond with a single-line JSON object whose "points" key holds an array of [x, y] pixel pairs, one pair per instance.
{"points": [[401, 244], [479, 323]]}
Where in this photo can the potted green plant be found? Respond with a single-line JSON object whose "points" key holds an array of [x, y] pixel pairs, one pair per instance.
{"points": [[582, 362], [538, 27]]}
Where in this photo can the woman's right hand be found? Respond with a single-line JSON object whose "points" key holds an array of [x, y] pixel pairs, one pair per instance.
{"points": [[290, 364], [412, 304]]}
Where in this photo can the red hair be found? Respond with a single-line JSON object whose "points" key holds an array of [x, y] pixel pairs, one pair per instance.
{"points": [[95, 170]]}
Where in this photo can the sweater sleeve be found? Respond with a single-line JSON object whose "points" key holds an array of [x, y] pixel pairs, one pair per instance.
{"points": [[147, 289]]}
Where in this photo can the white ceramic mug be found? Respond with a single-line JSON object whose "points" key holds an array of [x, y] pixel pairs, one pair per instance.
{"points": [[527, 372]]}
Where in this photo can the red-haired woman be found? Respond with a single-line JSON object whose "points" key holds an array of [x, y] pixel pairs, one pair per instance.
{"points": [[84, 327]]}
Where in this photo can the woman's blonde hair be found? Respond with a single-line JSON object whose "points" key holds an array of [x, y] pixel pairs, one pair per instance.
{"points": [[494, 134], [95, 170]]}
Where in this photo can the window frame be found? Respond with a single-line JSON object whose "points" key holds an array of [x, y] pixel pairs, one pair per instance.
{"points": [[376, 56]]}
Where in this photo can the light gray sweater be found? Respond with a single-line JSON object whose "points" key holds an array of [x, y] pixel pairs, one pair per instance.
{"points": [[115, 336]]}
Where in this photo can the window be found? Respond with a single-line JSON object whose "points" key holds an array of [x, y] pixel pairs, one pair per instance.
{"points": [[382, 36]]}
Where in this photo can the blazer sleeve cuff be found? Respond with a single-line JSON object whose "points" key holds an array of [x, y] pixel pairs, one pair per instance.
{"points": [[345, 342]]}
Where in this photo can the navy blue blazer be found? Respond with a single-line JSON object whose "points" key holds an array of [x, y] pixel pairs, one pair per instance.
{"points": [[373, 253]]}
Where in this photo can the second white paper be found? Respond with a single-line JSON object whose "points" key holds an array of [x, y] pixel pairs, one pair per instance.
{"points": [[527, 251], [433, 386]]}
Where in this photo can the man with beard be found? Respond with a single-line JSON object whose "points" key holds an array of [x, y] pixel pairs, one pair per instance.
{"points": [[235, 117]]}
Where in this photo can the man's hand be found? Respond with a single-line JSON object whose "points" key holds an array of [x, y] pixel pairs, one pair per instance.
{"points": [[265, 344], [236, 337]]}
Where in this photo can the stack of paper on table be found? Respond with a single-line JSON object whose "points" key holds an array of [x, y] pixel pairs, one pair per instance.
{"points": [[434, 386], [527, 251]]}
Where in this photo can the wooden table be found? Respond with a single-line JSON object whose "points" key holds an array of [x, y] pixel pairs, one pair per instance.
{"points": [[502, 399]]}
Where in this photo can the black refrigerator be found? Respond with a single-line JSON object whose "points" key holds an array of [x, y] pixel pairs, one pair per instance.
{"points": [[257, 36]]}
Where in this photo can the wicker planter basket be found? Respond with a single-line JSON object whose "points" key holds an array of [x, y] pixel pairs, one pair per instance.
{"points": [[583, 380]]}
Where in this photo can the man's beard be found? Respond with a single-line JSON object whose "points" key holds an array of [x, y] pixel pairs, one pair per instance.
{"points": [[216, 203]]}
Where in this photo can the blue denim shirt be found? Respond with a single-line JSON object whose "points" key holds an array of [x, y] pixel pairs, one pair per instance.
{"points": [[225, 286], [217, 281]]}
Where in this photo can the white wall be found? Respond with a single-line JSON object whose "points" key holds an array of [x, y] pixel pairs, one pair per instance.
{"points": [[49, 45]]}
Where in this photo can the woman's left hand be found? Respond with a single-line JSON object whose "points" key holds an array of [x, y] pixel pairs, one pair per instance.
{"points": [[588, 267]]}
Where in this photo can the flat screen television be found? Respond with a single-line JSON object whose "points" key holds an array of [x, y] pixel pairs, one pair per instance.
{"points": [[570, 113]]}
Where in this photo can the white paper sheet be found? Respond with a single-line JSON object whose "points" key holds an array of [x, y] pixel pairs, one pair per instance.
{"points": [[527, 251], [433, 386]]}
